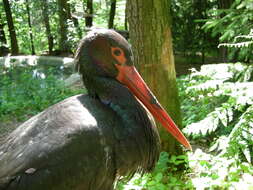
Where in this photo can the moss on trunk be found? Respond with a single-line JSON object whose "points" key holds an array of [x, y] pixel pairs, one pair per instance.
{"points": [[150, 35]]}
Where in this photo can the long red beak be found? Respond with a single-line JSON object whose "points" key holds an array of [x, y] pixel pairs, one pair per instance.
{"points": [[130, 77]]}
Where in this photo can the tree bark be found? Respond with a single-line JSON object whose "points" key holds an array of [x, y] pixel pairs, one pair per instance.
{"points": [[30, 27], [64, 45], [225, 4], [13, 37], [150, 35], [45, 14], [112, 14], [125, 20], [4, 50], [2, 34], [223, 51], [89, 13], [74, 19], [200, 8]]}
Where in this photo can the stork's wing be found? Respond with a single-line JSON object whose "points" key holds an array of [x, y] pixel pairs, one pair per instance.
{"points": [[65, 142]]}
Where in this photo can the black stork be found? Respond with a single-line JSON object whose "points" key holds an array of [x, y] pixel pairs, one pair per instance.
{"points": [[86, 142]]}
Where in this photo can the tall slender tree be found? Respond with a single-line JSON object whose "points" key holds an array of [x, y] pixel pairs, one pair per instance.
{"points": [[89, 13], [64, 45], [30, 26], [150, 35], [125, 20], [200, 12], [45, 14], [225, 4], [3, 40], [74, 19], [112, 14], [223, 51], [13, 37]]}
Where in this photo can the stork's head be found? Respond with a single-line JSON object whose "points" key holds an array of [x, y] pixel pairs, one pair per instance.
{"points": [[106, 53]]}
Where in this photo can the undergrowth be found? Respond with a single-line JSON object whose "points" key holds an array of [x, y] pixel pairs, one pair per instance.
{"points": [[225, 100], [165, 176], [217, 107], [25, 91]]}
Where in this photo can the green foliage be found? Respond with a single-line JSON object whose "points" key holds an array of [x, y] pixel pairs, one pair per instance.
{"points": [[233, 25], [218, 172], [217, 108], [77, 8], [101, 16], [244, 43], [226, 124], [240, 139], [188, 35], [248, 37], [165, 176], [25, 91], [222, 90]]}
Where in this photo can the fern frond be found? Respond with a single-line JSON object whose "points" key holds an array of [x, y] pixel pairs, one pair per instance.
{"points": [[241, 137], [239, 44], [211, 123], [236, 45]]}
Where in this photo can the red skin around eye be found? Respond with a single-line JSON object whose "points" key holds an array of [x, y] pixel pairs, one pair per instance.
{"points": [[120, 58]]}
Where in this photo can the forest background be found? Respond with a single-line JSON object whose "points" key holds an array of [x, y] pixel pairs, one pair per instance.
{"points": [[215, 37]]}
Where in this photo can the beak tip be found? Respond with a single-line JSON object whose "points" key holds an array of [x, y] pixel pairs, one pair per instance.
{"points": [[189, 147], [185, 143]]}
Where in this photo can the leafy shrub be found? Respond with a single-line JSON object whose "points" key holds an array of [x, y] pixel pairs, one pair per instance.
{"points": [[225, 100], [233, 25], [219, 172], [165, 176], [217, 109], [25, 91]]}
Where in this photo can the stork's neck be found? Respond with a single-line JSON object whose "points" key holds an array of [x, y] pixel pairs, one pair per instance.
{"points": [[138, 130]]}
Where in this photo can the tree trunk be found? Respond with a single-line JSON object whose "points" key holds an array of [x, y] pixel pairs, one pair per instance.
{"points": [[13, 37], [64, 45], [201, 13], [223, 51], [45, 13], [30, 26], [89, 13], [112, 14], [150, 34], [125, 20], [4, 50], [74, 19], [3, 40], [225, 4]]}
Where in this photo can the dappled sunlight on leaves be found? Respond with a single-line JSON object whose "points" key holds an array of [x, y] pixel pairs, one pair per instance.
{"points": [[217, 105], [212, 172], [165, 176], [25, 91]]}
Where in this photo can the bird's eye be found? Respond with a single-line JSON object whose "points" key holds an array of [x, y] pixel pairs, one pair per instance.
{"points": [[119, 55], [117, 52]]}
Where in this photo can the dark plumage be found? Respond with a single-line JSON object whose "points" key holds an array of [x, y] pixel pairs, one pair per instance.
{"points": [[86, 141]]}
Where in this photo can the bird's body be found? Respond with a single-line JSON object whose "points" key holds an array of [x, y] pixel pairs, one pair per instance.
{"points": [[79, 143], [86, 141]]}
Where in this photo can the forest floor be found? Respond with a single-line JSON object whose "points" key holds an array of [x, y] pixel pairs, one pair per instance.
{"points": [[184, 64]]}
